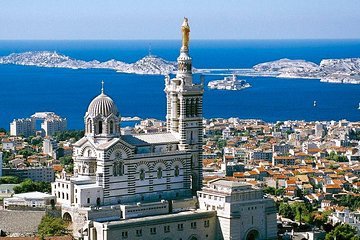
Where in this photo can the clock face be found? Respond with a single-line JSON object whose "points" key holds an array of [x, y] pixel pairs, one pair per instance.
{"points": [[118, 155]]}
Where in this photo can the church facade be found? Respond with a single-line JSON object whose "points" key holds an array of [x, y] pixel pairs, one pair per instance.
{"points": [[141, 185]]}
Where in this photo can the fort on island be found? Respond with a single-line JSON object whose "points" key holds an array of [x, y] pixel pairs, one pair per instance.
{"points": [[149, 186]]}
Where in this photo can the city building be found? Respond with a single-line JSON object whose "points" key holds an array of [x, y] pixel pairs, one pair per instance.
{"points": [[45, 174], [29, 200], [51, 123], [50, 146], [22, 127], [139, 186], [346, 217]]}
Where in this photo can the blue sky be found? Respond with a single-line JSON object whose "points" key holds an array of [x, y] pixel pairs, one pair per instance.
{"points": [[160, 19]]}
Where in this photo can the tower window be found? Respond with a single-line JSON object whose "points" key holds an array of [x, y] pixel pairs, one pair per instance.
{"points": [[111, 127], [196, 107], [89, 126], [100, 127], [187, 106]]}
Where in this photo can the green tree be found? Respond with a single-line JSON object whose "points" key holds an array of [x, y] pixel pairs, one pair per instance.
{"points": [[26, 152], [69, 134], [30, 186], [286, 211], [302, 211], [279, 191], [9, 180], [51, 226], [221, 143], [269, 190], [350, 201], [3, 130], [66, 160], [36, 141], [342, 232]]}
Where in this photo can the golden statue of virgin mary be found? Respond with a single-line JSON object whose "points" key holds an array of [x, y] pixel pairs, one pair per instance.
{"points": [[185, 34]]}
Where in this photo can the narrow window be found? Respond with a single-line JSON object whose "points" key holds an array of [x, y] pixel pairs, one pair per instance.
{"points": [[142, 174], [100, 126], [176, 172], [196, 107], [115, 169], [111, 127], [159, 173], [120, 168]]}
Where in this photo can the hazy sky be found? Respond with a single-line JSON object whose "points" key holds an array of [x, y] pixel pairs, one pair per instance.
{"points": [[160, 19]]}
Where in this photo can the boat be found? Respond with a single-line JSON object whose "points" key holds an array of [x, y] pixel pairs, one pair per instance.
{"points": [[229, 83], [359, 107], [314, 103]]}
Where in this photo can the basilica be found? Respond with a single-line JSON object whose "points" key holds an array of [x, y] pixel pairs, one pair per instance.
{"points": [[148, 186]]}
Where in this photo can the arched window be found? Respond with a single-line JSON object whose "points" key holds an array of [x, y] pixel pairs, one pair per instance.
{"points": [[111, 127], [89, 126], [159, 173], [89, 153], [100, 127], [176, 171], [142, 174]]}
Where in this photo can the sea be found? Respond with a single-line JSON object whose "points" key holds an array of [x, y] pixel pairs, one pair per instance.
{"points": [[25, 90]]}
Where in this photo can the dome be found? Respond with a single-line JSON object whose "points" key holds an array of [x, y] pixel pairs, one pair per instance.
{"points": [[102, 105]]}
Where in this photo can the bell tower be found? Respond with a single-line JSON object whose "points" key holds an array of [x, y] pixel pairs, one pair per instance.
{"points": [[184, 109]]}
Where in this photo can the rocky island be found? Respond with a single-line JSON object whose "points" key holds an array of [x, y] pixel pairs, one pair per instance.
{"points": [[148, 65], [229, 83], [345, 70]]}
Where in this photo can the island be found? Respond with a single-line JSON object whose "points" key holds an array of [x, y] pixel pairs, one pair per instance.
{"points": [[345, 70], [229, 83], [149, 64]]}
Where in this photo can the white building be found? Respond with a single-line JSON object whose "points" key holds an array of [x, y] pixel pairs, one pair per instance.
{"points": [[53, 123], [50, 146], [345, 216], [242, 212], [23, 126], [30, 199]]}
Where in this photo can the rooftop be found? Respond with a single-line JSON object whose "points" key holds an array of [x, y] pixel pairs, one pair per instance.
{"points": [[148, 139]]}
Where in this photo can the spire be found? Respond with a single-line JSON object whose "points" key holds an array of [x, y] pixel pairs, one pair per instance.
{"points": [[102, 87]]}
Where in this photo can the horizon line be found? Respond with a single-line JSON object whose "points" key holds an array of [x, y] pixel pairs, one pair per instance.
{"points": [[176, 39]]}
